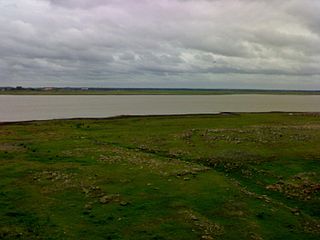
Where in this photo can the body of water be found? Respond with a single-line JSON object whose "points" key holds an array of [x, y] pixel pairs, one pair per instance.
{"points": [[31, 107]]}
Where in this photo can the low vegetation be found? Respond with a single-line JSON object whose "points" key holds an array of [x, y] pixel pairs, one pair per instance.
{"points": [[228, 176]]}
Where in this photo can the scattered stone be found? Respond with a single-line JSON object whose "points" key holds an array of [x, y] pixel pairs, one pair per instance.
{"points": [[85, 190], [312, 226], [124, 203], [106, 199], [295, 211], [254, 236], [193, 217], [206, 237], [201, 224], [299, 186], [88, 206]]}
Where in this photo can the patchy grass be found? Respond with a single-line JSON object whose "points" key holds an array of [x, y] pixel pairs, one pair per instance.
{"points": [[242, 176]]}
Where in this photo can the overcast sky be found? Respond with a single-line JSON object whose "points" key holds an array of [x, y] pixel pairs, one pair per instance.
{"points": [[161, 43]]}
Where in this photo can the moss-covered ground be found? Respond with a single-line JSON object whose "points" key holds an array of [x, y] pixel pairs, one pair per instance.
{"points": [[232, 176]]}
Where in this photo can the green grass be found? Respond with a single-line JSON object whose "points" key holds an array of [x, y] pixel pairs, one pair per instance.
{"points": [[242, 176]]}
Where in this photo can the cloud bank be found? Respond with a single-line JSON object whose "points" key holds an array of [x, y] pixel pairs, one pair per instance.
{"points": [[163, 43]]}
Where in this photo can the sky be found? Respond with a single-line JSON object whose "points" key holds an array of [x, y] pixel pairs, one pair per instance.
{"points": [[266, 44]]}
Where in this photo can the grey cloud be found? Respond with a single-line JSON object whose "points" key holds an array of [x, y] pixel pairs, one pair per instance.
{"points": [[79, 3], [308, 14], [105, 43]]}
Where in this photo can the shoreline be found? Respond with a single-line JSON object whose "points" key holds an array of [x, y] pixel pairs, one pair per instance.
{"points": [[119, 117]]}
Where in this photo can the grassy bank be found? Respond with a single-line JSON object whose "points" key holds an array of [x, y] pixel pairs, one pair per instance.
{"points": [[242, 176]]}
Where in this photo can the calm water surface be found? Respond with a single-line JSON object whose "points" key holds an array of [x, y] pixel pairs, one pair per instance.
{"points": [[22, 108]]}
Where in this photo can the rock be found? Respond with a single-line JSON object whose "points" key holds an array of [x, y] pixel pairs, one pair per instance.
{"points": [[295, 211], [88, 206], [193, 217], [85, 190], [124, 203], [274, 187], [206, 237], [105, 199]]}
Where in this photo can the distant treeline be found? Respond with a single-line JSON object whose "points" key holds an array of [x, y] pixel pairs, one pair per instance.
{"points": [[151, 91]]}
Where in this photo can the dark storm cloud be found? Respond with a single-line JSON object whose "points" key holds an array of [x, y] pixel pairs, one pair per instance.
{"points": [[160, 43]]}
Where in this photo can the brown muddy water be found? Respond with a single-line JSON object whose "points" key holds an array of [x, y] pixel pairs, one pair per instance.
{"points": [[30, 107]]}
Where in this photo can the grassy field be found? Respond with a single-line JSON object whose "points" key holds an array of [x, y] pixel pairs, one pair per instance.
{"points": [[229, 176], [62, 91]]}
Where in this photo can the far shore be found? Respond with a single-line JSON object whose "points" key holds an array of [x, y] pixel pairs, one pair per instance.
{"points": [[146, 91]]}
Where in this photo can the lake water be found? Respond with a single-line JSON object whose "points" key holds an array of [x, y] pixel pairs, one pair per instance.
{"points": [[25, 107]]}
